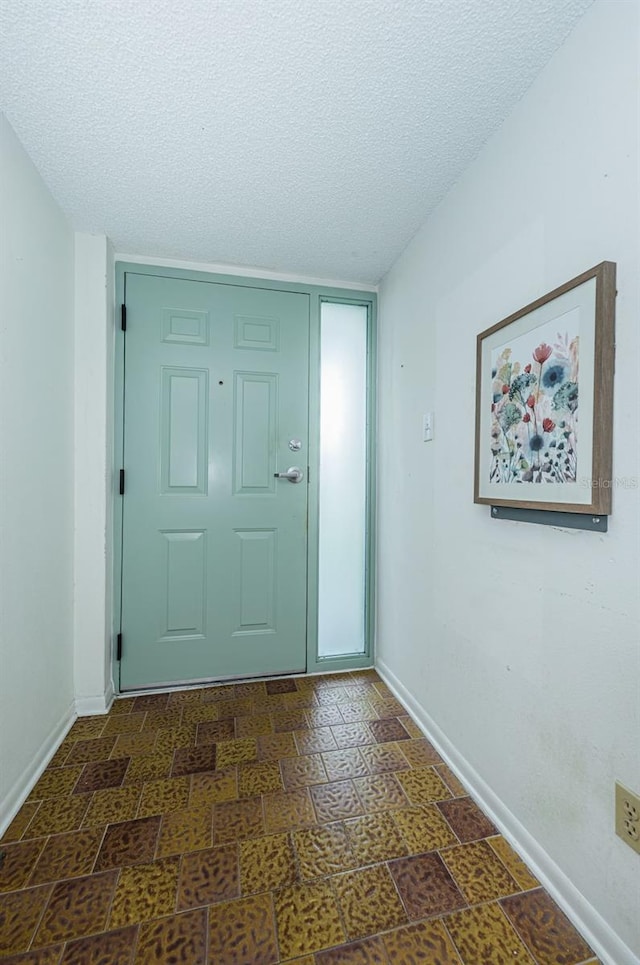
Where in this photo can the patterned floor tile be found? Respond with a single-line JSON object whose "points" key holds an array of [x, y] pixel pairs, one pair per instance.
{"points": [[193, 760], [381, 758], [214, 731], [20, 912], [252, 688], [336, 801], [77, 907], [180, 698], [329, 695], [369, 901], [388, 730], [70, 855], [455, 786], [545, 930], [352, 735], [179, 940], [236, 707], [302, 771], [58, 815], [87, 727], [208, 877], [131, 842], [513, 863], [40, 956], [323, 851], [320, 717], [390, 707], [249, 808], [57, 782], [243, 931], [169, 739], [111, 806], [124, 724], [374, 838], [478, 872], [236, 752], [62, 753], [271, 747], [286, 721], [423, 786], [101, 774], [425, 886], [234, 820], [283, 686], [307, 919], [199, 714], [370, 951], [256, 726], [158, 797], [17, 862], [214, 787], [259, 778], [151, 767], [134, 745], [357, 710], [162, 720], [420, 753], [145, 891], [485, 936], [114, 948], [123, 705], [466, 819], [345, 763], [267, 863], [150, 702], [380, 792], [21, 822], [315, 740], [425, 943], [90, 750], [183, 831], [424, 828], [288, 810], [217, 693]]}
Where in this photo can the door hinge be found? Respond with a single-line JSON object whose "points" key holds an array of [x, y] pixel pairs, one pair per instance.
{"points": [[122, 482], [308, 475], [123, 317], [119, 647]]}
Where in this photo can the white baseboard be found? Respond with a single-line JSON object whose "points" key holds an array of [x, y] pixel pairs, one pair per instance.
{"points": [[607, 945], [14, 800], [95, 704]]}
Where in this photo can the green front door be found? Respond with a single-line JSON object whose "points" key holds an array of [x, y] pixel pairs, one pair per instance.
{"points": [[214, 543]]}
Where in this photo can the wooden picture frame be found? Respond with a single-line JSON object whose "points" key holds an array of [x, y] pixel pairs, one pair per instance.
{"points": [[544, 400]]}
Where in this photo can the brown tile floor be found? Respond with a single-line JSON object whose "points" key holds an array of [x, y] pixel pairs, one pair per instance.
{"points": [[300, 820]]}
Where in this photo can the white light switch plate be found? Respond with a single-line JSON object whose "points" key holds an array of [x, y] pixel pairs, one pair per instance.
{"points": [[427, 427]]}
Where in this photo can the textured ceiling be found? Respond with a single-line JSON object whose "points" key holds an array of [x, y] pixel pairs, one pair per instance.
{"points": [[306, 136]]}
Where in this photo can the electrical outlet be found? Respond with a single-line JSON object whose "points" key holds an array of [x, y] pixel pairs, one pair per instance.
{"points": [[628, 816]]}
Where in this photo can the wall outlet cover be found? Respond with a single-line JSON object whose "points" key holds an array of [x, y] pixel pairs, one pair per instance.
{"points": [[628, 816]]}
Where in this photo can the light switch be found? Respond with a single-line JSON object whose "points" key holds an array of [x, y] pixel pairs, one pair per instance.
{"points": [[427, 427]]}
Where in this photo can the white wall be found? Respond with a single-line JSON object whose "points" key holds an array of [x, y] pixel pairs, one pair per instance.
{"points": [[520, 642], [93, 362], [36, 471]]}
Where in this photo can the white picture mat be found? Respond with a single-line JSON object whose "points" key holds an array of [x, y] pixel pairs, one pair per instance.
{"points": [[538, 324]]}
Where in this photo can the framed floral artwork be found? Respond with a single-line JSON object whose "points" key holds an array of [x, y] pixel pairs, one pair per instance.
{"points": [[544, 400]]}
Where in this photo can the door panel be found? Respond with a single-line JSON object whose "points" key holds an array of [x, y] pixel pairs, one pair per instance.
{"points": [[214, 546]]}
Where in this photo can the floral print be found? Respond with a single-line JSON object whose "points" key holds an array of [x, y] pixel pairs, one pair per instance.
{"points": [[534, 414]]}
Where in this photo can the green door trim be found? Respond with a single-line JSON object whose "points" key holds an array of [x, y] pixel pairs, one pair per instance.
{"points": [[317, 294]]}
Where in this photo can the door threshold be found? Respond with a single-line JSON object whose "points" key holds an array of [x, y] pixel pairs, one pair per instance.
{"points": [[173, 686]]}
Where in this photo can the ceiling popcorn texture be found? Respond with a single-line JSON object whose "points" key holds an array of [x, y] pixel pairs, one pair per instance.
{"points": [[304, 136]]}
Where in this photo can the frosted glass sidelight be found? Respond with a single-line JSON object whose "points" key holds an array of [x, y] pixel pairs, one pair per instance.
{"points": [[343, 479]]}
